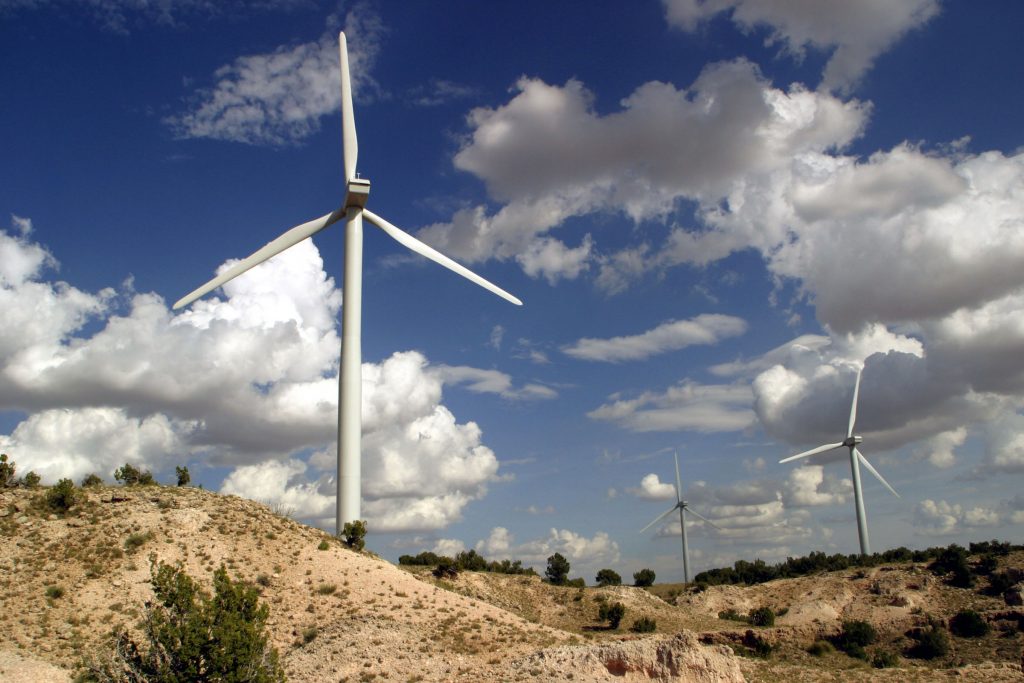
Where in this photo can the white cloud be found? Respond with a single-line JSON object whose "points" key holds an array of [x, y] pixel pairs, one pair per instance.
{"points": [[939, 518], [808, 486], [551, 259], [940, 449], [281, 484], [449, 547], [582, 552], [651, 488], [685, 406], [483, 381], [707, 328], [497, 334], [280, 97], [855, 32], [1005, 445]]}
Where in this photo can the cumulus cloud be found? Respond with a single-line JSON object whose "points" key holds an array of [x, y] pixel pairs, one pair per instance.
{"points": [[939, 518], [854, 32], [809, 486], [551, 259], [582, 552], [248, 381], [279, 98], [707, 328], [1004, 445], [685, 406], [651, 488], [940, 449]]}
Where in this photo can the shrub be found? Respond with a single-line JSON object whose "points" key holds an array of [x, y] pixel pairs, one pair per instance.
{"points": [[884, 659], [557, 570], [6, 471], [62, 496], [189, 636], [612, 613], [31, 480], [762, 616], [91, 480], [931, 643], [309, 634], [644, 577], [54, 592], [756, 645], [324, 545], [471, 561], [183, 476], [132, 476], [644, 625], [353, 534], [820, 647], [326, 588], [1000, 582], [137, 540], [731, 615], [578, 582], [446, 568], [968, 624], [608, 577], [854, 637]]}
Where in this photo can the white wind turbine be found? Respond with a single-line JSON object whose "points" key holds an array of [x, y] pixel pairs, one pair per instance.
{"points": [[683, 508], [856, 459], [351, 212]]}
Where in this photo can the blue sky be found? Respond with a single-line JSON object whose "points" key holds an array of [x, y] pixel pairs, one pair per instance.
{"points": [[715, 213]]}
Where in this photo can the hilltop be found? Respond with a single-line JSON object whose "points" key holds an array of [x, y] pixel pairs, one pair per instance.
{"points": [[337, 614]]}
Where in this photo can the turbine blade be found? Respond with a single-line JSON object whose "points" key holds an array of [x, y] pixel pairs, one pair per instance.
{"points": [[702, 517], [872, 470], [288, 239], [679, 485], [813, 451], [853, 406], [410, 242], [350, 146], [660, 517]]}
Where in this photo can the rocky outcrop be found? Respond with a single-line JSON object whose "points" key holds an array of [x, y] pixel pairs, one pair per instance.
{"points": [[677, 658]]}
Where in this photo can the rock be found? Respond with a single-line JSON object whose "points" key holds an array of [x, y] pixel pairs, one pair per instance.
{"points": [[22, 519]]}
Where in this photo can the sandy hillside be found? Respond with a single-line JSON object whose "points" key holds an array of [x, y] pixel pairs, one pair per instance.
{"points": [[334, 614]]}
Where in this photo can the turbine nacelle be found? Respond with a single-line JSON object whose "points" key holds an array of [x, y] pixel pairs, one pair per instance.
{"points": [[852, 441], [357, 194]]}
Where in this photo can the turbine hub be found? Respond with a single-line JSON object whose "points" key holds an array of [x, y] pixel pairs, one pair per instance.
{"points": [[358, 192], [852, 441]]}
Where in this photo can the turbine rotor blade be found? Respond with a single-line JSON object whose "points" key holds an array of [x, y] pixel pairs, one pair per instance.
{"points": [[350, 146], [413, 244], [288, 239], [702, 517], [660, 517], [872, 470], [853, 406], [813, 451], [679, 485]]}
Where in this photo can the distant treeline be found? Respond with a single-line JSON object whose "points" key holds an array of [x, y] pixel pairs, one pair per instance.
{"points": [[468, 560], [758, 571]]}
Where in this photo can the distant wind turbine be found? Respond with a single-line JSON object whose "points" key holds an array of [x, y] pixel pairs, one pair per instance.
{"points": [[683, 508], [352, 212], [856, 459]]}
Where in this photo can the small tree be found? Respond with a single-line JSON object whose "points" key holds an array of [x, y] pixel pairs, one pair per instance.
{"points": [[968, 624], [91, 480], [644, 625], [6, 471], [62, 496], [931, 642], [558, 570], [353, 534], [612, 613], [446, 568], [31, 480], [190, 636], [183, 476], [644, 577], [608, 577], [130, 475], [854, 637], [762, 616]]}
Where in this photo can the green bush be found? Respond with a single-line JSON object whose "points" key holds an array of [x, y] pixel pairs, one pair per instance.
{"points": [[644, 625], [756, 645], [190, 636], [884, 659], [855, 636], [91, 480], [324, 545], [62, 496], [137, 540], [6, 471], [762, 616], [931, 643], [820, 648], [968, 624], [608, 577], [644, 577], [612, 613], [353, 534], [31, 480], [578, 582], [132, 476], [54, 592], [183, 476], [446, 568], [732, 615], [557, 571]]}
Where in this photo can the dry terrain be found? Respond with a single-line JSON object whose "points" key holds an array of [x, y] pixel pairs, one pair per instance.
{"points": [[69, 582]]}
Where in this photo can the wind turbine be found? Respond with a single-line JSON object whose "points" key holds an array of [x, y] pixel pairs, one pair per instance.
{"points": [[351, 212], [683, 508], [856, 459]]}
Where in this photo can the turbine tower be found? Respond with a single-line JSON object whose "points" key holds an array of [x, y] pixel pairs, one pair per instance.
{"points": [[856, 459], [352, 212], [683, 508]]}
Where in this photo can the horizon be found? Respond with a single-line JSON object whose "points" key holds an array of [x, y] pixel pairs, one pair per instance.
{"points": [[711, 233]]}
